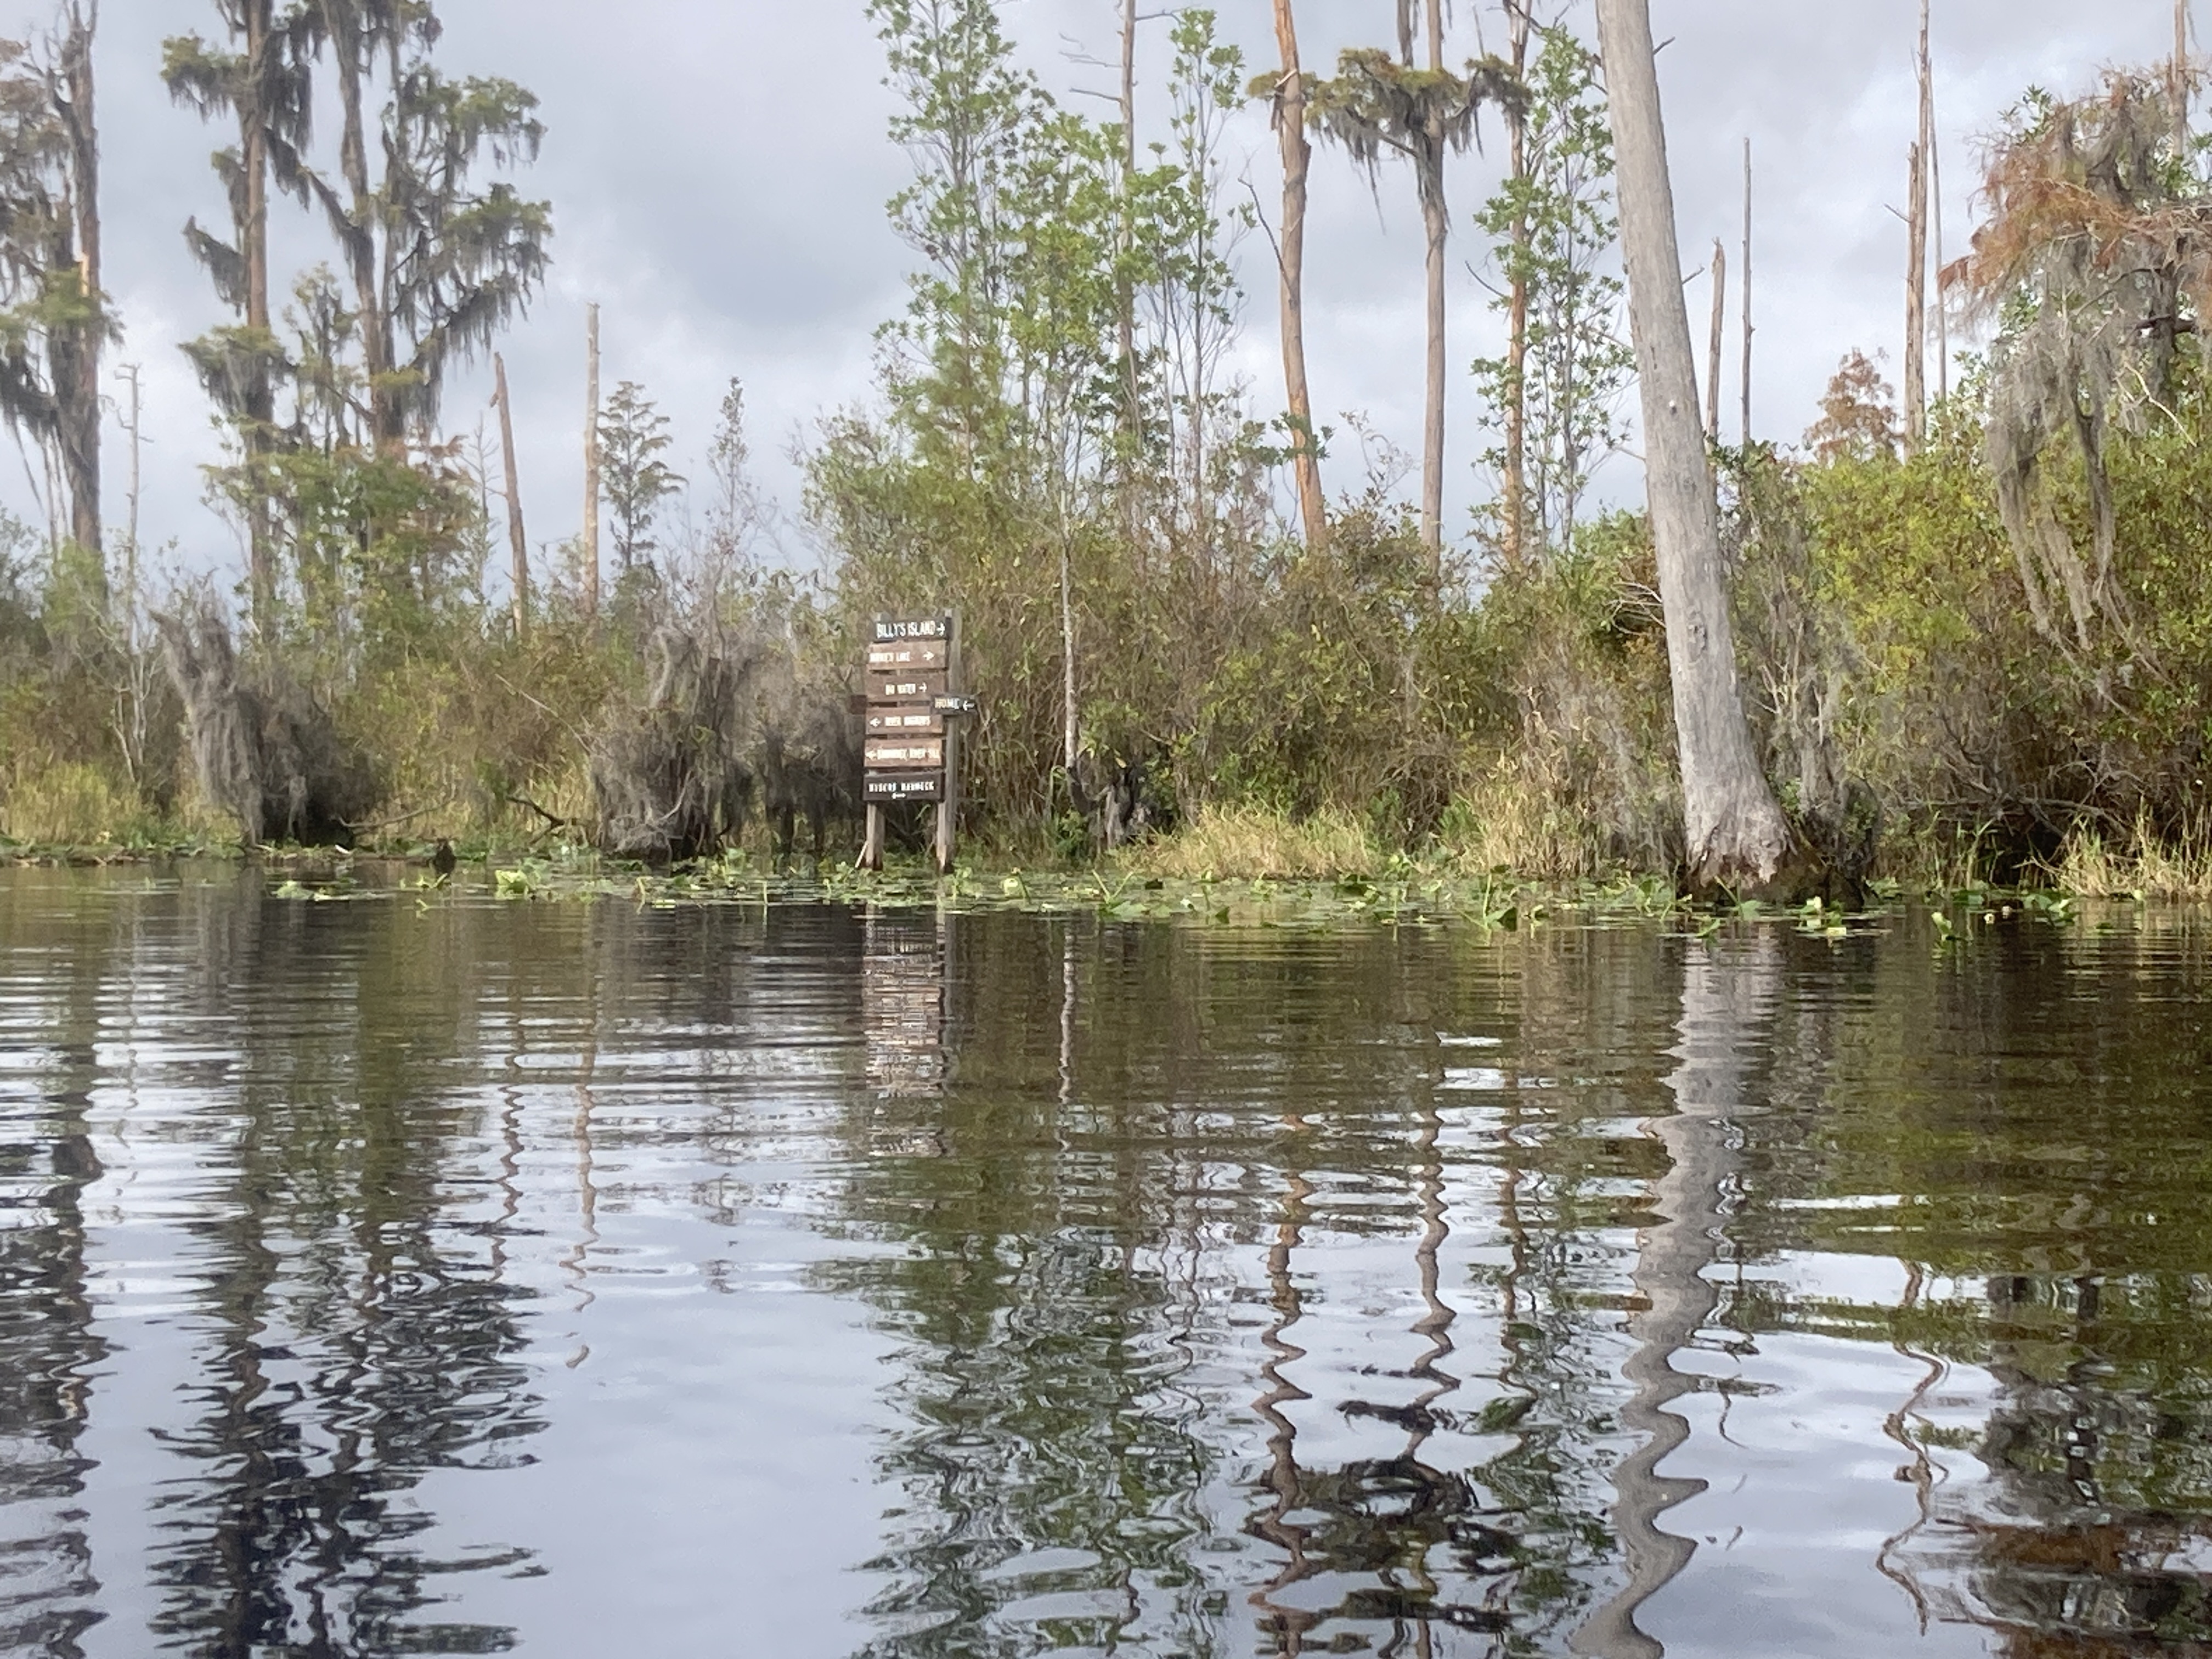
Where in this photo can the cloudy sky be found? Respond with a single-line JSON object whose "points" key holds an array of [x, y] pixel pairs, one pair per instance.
{"points": [[718, 170]]}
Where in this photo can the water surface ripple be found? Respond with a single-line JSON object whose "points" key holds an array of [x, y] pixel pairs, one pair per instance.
{"points": [[455, 1277]]}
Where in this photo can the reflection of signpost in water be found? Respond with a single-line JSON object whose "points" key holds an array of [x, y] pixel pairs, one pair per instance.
{"points": [[903, 970], [915, 706]]}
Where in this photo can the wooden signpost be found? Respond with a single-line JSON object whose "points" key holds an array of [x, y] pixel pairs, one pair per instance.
{"points": [[915, 706]]}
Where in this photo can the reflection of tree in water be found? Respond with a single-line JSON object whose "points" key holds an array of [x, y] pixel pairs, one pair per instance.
{"points": [[1051, 1460], [47, 1350], [2092, 1534], [362, 1339], [2014, 1123], [1728, 993]]}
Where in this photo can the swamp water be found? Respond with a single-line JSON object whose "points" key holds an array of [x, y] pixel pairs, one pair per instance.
{"points": [[403, 1277]]}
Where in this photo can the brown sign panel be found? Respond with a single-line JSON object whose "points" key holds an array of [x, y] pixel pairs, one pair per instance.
{"points": [[891, 630], [906, 754], [910, 656], [905, 685], [888, 788], [910, 719]]}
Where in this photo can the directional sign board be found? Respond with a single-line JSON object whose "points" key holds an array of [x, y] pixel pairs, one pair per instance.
{"points": [[910, 697]]}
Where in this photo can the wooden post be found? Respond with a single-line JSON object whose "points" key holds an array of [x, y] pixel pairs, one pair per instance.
{"points": [[872, 846], [948, 810], [590, 549], [515, 535]]}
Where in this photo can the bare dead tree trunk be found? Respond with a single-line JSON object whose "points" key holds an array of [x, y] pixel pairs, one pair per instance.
{"points": [[76, 350], [1735, 836], [1719, 344], [1748, 329], [1932, 151], [1438, 216], [2181, 77], [1439, 220], [518, 541], [1405, 17], [1517, 23], [260, 399], [1915, 302], [1126, 296], [590, 548], [1297, 165]]}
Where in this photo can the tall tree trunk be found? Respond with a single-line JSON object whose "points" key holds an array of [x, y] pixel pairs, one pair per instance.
{"points": [[590, 548], [1735, 836], [1406, 20], [2180, 78], [387, 417], [518, 541], [1915, 303], [1931, 151], [1126, 294], [1438, 216], [1434, 212], [76, 352], [1516, 304], [1297, 165], [1719, 344], [1749, 333], [260, 399]]}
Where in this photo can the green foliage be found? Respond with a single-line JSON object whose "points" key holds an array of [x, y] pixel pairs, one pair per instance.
{"points": [[1553, 231], [633, 437]]}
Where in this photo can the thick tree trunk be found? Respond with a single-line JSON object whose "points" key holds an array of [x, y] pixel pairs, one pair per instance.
{"points": [[1297, 165], [1516, 503], [1735, 836]]}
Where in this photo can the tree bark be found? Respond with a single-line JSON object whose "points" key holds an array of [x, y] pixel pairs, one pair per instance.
{"points": [[1734, 835], [1915, 303], [2181, 77], [518, 540], [260, 399], [76, 350], [387, 414], [1750, 333], [1515, 482], [1438, 221], [1719, 344], [1297, 165], [1931, 153], [590, 548]]}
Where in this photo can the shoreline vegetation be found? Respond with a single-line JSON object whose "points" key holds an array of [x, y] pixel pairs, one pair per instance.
{"points": [[1964, 645], [1241, 858]]}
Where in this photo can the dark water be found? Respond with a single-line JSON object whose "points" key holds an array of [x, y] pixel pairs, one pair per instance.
{"points": [[385, 1278]]}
